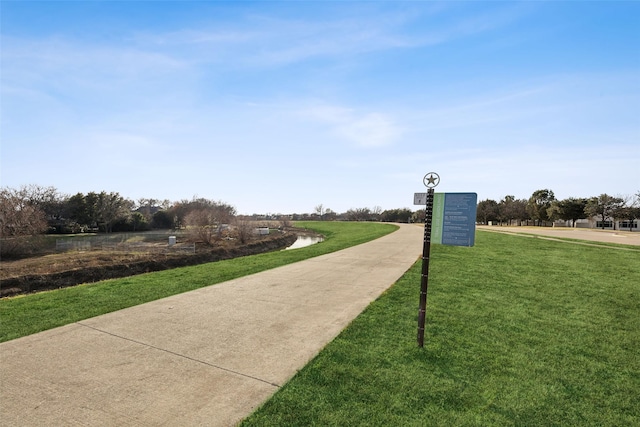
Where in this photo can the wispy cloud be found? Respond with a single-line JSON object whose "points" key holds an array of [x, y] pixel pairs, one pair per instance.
{"points": [[364, 129], [371, 130], [141, 58], [60, 56], [270, 40]]}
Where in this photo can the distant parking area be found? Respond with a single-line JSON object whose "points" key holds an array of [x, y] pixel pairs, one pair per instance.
{"points": [[604, 236]]}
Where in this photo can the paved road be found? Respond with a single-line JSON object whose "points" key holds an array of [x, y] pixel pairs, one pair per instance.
{"points": [[207, 357], [606, 236]]}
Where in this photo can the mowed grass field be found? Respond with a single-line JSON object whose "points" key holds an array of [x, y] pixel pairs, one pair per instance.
{"points": [[520, 331]]}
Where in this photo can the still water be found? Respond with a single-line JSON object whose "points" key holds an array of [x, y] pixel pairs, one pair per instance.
{"points": [[303, 241]]}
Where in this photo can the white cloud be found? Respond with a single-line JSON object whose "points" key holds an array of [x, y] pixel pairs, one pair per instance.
{"points": [[364, 129], [370, 130]]}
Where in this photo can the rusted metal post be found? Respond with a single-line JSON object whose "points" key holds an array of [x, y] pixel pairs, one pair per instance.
{"points": [[424, 283]]}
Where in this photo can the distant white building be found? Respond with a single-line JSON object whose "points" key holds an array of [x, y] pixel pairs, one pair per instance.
{"points": [[609, 224], [629, 225]]}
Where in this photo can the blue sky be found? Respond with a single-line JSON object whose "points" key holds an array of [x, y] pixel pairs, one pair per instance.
{"points": [[277, 107]]}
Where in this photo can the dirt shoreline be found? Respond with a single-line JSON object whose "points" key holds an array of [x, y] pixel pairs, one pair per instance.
{"points": [[125, 265]]}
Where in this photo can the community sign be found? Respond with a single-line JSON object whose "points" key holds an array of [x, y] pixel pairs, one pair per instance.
{"points": [[454, 217]]}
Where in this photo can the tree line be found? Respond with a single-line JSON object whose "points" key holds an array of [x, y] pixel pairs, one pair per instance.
{"points": [[543, 208], [362, 214], [31, 210]]}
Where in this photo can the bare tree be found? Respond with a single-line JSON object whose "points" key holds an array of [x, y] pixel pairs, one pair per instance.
{"points": [[358, 214], [203, 225], [180, 210], [18, 216], [375, 213], [244, 229], [48, 199], [329, 215], [207, 219], [396, 215], [19, 220], [285, 222]]}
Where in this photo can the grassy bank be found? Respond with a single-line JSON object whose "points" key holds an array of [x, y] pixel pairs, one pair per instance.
{"points": [[520, 331], [21, 316]]}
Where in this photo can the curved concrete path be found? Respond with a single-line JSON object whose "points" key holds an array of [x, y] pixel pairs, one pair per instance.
{"points": [[207, 357]]}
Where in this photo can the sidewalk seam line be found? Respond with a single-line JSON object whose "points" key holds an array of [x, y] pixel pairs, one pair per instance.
{"points": [[179, 355]]}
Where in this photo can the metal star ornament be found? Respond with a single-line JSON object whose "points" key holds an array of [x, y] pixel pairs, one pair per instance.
{"points": [[431, 180]]}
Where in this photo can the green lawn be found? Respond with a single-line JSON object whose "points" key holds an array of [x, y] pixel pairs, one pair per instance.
{"points": [[29, 314], [520, 332]]}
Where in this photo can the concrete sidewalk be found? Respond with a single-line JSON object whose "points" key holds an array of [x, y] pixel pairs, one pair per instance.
{"points": [[207, 357]]}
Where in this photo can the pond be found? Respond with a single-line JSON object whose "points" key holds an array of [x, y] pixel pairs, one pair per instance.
{"points": [[303, 241]]}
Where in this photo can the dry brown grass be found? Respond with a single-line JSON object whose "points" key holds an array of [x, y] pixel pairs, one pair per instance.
{"points": [[65, 261]]}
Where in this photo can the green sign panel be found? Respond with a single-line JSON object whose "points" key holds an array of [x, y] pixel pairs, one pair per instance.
{"points": [[454, 219]]}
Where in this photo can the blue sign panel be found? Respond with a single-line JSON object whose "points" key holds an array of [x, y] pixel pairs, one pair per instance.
{"points": [[454, 219]]}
